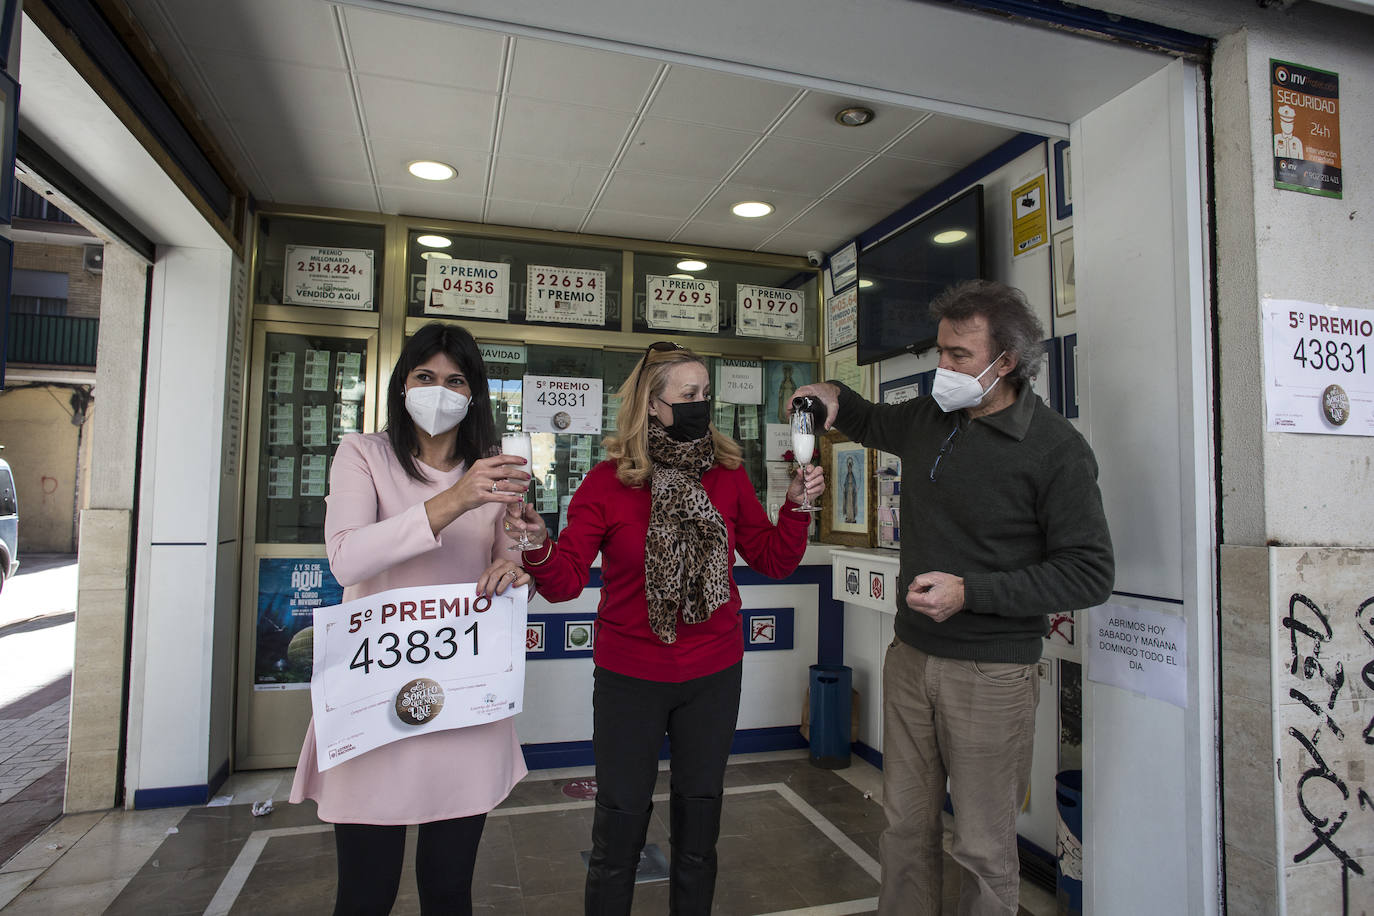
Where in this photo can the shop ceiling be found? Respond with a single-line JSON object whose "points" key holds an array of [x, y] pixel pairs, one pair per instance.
{"points": [[325, 104]]}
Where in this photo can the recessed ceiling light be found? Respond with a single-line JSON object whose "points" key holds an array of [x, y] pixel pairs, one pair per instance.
{"points": [[434, 241], [751, 209], [681, 277], [691, 265], [949, 236], [865, 284], [854, 117], [430, 170], [436, 256]]}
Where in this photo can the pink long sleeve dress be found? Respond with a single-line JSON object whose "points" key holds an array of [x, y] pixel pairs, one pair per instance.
{"points": [[378, 537]]}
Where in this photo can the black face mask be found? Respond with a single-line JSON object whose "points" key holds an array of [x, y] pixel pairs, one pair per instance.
{"points": [[691, 420]]}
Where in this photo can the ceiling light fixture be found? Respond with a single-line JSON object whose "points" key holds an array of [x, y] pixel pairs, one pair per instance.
{"points": [[865, 284], [751, 209], [433, 241], [855, 116], [436, 256], [949, 236], [689, 264], [681, 277], [430, 170]]}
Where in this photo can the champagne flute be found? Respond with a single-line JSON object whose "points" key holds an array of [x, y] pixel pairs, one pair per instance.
{"points": [[518, 445], [803, 448]]}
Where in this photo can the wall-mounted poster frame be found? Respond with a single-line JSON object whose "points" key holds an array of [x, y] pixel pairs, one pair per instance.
{"points": [[9, 127], [844, 267], [1065, 290], [906, 388], [1063, 191], [847, 515], [1049, 382], [842, 319], [1071, 376]]}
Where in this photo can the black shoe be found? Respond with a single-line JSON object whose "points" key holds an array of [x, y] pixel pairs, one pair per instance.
{"points": [[617, 838], [694, 828]]}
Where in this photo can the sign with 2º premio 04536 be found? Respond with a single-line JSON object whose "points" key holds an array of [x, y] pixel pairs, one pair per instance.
{"points": [[414, 660], [1317, 364]]}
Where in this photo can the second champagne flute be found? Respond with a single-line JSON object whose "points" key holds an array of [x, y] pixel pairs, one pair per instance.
{"points": [[518, 445], [803, 447]]}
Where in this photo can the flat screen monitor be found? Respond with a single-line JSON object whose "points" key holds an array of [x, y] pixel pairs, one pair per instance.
{"points": [[899, 276]]}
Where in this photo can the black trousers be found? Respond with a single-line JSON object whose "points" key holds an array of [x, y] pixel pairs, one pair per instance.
{"points": [[370, 858], [630, 718]]}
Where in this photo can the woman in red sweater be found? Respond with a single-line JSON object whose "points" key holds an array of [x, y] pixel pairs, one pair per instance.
{"points": [[666, 512]]}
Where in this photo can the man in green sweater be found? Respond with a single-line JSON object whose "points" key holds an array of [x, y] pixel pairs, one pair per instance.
{"points": [[1001, 523]]}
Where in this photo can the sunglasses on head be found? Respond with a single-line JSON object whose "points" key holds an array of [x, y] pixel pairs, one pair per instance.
{"points": [[659, 346]]}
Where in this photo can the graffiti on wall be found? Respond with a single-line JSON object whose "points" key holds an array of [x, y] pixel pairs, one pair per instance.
{"points": [[1329, 786]]}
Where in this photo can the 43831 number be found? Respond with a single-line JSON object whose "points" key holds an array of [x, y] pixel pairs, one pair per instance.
{"points": [[1330, 355], [417, 651]]}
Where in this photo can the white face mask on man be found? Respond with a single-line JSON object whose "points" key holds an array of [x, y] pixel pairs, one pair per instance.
{"points": [[957, 390], [436, 409]]}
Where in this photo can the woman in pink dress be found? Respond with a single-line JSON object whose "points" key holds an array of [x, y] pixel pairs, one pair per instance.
{"points": [[418, 504]]}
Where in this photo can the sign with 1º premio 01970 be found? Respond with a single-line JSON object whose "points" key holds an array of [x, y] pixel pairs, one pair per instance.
{"points": [[414, 660], [1317, 364]]}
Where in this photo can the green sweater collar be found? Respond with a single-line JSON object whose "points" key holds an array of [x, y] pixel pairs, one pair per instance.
{"points": [[1014, 421]]}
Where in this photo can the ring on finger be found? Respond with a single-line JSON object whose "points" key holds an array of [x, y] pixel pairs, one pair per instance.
{"points": [[494, 486]]}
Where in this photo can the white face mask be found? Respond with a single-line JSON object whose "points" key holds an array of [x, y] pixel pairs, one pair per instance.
{"points": [[436, 409], [957, 390]]}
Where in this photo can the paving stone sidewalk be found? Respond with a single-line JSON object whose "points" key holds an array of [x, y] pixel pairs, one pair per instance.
{"points": [[33, 769]]}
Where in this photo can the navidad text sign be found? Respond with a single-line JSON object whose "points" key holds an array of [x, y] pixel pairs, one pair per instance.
{"points": [[414, 660]]}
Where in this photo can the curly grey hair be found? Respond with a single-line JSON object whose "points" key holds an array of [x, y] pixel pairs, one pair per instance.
{"points": [[1011, 322]]}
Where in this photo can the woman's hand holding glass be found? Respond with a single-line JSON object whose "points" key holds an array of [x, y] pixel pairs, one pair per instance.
{"points": [[807, 485], [524, 522]]}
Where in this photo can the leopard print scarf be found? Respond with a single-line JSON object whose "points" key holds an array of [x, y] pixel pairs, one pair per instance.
{"points": [[687, 549]]}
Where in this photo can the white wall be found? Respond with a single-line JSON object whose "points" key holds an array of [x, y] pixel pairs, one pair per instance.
{"points": [[172, 715]]}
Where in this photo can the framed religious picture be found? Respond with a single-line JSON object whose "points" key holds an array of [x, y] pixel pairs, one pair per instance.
{"points": [[847, 515]]}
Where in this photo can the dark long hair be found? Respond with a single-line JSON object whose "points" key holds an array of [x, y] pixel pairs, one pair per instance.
{"points": [[477, 433]]}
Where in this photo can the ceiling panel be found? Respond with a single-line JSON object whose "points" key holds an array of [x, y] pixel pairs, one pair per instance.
{"points": [[723, 235], [564, 73], [391, 157], [322, 153], [420, 111], [796, 241], [655, 195], [286, 95], [630, 225], [950, 140], [683, 149], [793, 165], [887, 178], [553, 130], [344, 195], [720, 99], [433, 203], [839, 218], [565, 184], [302, 33], [536, 216], [814, 119], [785, 206], [434, 52]]}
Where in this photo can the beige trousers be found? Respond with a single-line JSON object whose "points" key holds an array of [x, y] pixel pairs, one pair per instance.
{"points": [[973, 723]]}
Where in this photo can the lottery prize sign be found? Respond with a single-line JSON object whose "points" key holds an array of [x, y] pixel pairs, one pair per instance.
{"points": [[682, 304], [763, 311], [337, 278], [467, 289], [553, 404], [566, 295], [413, 660], [1317, 365]]}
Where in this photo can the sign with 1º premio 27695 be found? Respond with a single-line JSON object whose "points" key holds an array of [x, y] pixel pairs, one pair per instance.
{"points": [[1317, 368], [414, 660]]}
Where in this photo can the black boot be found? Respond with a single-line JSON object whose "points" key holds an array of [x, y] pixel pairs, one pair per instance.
{"points": [[694, 827], [617, 839]]}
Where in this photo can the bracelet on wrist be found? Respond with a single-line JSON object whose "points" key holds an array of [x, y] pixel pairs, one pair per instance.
{"points": [[548, 545]]}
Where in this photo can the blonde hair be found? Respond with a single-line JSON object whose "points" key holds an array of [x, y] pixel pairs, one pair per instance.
{"points": [[629, 447]]}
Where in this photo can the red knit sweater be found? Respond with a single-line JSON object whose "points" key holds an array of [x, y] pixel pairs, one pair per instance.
{"points": [[608, 517]]}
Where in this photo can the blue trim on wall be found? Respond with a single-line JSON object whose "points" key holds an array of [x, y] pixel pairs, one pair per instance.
{"points": [[966, 177], [1081, 19], [171, 797], [866, 753]]}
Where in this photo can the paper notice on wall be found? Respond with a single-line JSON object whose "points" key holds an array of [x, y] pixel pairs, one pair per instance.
{"points": [[1139, 650]]}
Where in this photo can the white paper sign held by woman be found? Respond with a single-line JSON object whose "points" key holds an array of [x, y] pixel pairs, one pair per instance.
{"points": [[413, 660]]}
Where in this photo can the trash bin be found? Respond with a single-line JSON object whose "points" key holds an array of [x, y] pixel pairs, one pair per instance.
{"points": [[830, 706], [1069, 852]]}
